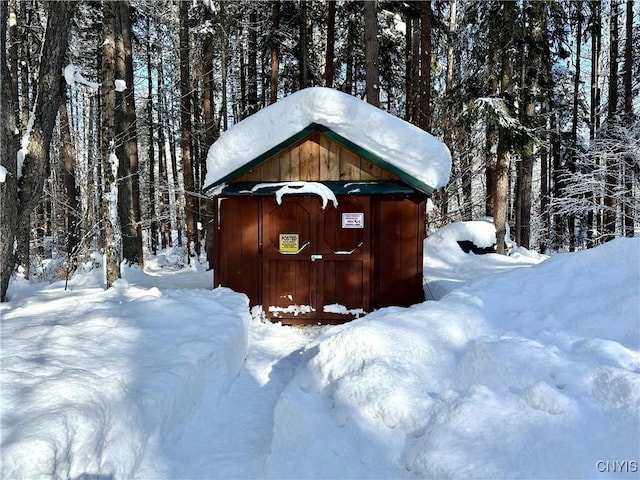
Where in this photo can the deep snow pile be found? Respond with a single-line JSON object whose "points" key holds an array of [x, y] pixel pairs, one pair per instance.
{"points": [[93, 381], [534, 373]]}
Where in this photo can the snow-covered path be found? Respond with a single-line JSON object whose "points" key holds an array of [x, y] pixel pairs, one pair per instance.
{"points": [[231, 437]]}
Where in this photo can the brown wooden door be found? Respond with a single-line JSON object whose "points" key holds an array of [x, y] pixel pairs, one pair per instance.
{"points": [[316, 263]]}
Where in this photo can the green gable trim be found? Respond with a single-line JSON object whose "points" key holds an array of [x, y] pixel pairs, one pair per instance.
{"points": [[357, 187], [314, 127]]}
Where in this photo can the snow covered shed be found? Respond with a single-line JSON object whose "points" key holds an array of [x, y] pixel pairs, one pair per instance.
{"points": [[318, 207]]}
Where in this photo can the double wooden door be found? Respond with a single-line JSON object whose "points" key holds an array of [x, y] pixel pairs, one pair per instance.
{"points": [[316, 263]]}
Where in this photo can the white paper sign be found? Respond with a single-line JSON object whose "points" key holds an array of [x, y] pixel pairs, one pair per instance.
{"points": [[353, 220]]}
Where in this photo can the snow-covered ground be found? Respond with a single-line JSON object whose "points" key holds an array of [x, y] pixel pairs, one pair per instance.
{"points": [[524, 367]]}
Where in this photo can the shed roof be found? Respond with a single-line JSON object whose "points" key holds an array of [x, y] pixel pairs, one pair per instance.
{"points": [[421, 159]]}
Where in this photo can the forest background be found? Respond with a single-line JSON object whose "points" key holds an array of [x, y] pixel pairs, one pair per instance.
{"points": [[107, 111]]}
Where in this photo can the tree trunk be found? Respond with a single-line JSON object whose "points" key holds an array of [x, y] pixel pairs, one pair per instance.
{"points": [[13, 51], [410, 69], [573, 158], [596, 51], [612, 167], [224, 45], [304, 47], [252, 67], [426, 17], [178, 199], [371, 52], [628, 60], [447, 119], [524, 183], [545, 189], [36, 164], [109, 160], [491, 140], [275, 51], [629, 162], [153, 227], [125, 204], [25, 60], [132, 236], [241, 113], [8, 150], [504, 144], [93, 184], [329, 67], [186, 107], [558, 181], [68, 158], [163, 177], [349, 63], [594, 103], [208, 103]]}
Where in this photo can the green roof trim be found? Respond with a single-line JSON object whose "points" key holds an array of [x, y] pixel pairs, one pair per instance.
{"points": [[357, 187], [314, 127]]}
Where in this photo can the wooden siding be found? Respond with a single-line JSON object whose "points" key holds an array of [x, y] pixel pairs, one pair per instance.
{"points": [[316, 158], [237, 238], [383, 268], [398, 250]]}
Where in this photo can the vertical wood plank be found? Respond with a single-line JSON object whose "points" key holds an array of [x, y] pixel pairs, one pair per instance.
{"points": [[309, 161], [270, 170], [295, 163], [409, 239], [250, 256], [370, 171], [334, 160], [285, 166], [324, 158], [252, 175], [349, 165], [388, 272]]}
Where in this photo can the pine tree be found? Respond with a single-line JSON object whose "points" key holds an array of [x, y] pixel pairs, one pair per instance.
{"points": [[186, 109], [108, 209]]}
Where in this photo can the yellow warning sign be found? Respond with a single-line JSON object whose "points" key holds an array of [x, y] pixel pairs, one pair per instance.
{"points": [[289, 242]]}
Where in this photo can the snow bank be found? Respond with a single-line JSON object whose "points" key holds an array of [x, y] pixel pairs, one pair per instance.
{"points": [[447, 266], [397, 142], [95, 384], [534, 373]]}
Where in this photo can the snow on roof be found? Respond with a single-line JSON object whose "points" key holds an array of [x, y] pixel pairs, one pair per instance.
{"points": [[402, 145]]}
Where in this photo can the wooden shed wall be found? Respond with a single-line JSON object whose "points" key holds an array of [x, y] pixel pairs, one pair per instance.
{"points": [[316, 158], [397, 233], [398, 250], [236, 247]]}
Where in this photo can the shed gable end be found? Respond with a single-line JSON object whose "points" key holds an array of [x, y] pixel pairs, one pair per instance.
{"points": [[316, 157]]}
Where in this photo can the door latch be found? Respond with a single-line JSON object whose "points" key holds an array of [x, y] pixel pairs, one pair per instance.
{"points": [[315, 257]]}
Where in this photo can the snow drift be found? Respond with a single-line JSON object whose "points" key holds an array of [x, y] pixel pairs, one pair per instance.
{"points": [[533, 373], [97, 381]]}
